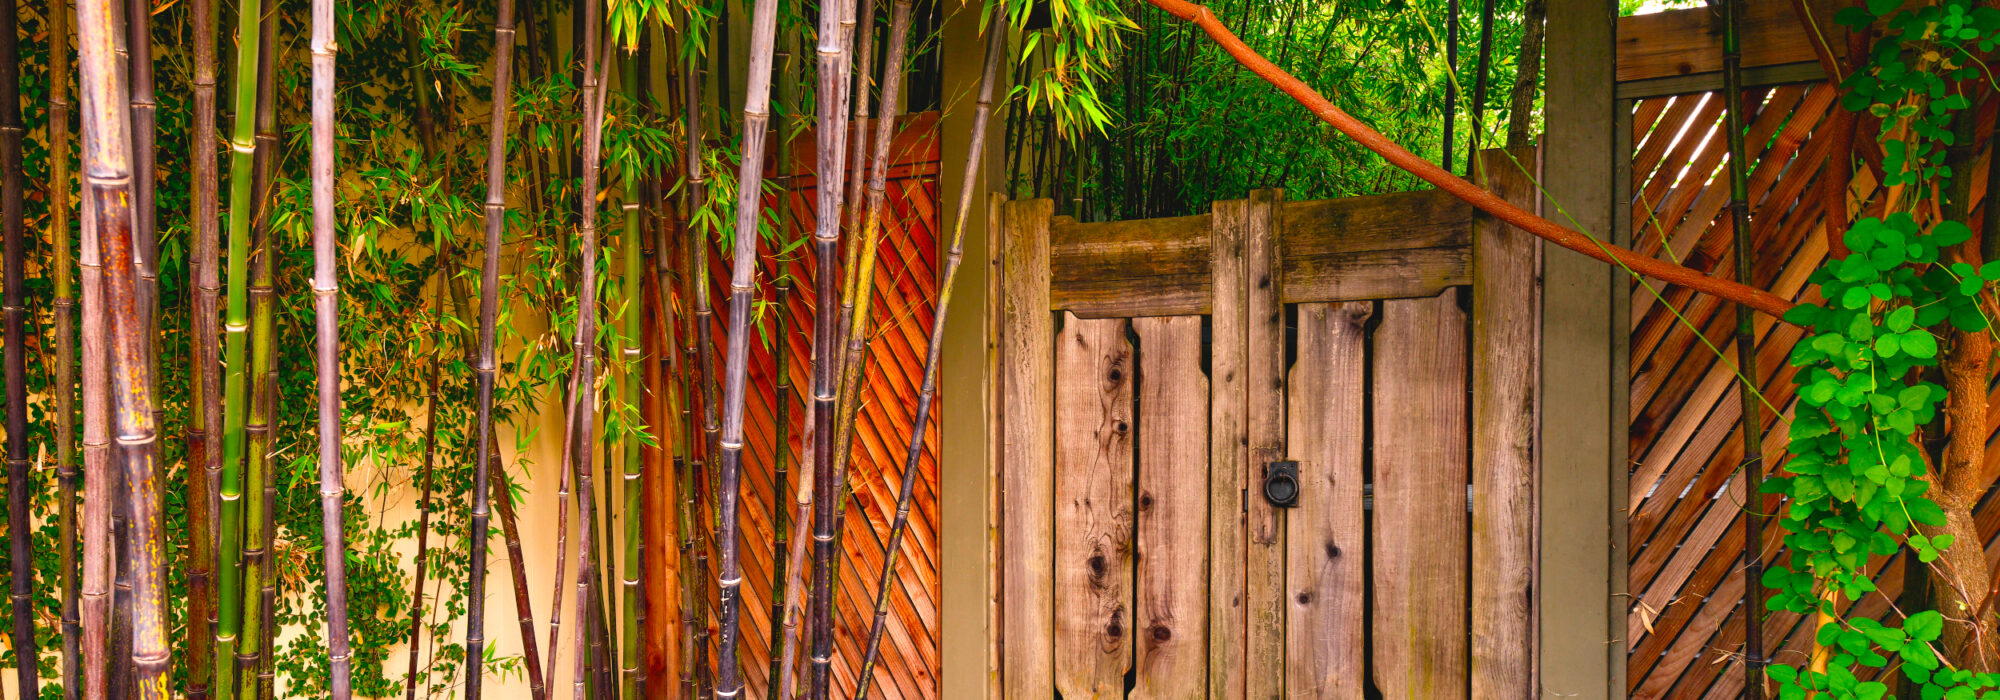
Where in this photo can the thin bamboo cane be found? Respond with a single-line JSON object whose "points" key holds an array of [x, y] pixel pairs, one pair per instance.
{"points": [[995, 41], [700, 363], [864, 73], [1746, 354], [267, 591], [562, 545], [326, 307], [836, 28], [858, 301], [427, 138], [788, 90], [236, 330], [107, 193], [204, 380], [16, 358], [626, 346], [489, 306], [65, 315], [742, 287], [685, 466], [257, 471], [583, 377]]}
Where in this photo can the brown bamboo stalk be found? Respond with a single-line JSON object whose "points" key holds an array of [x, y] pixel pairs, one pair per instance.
{"points": [[489, 306], [583, 378], [121, 582], [65, 315], [204, 375], [788, 91], [108, 192], [16, 357], [699, 362], [858, 300], [996, 33], [684, 467], [427, 138], [562, 544], [742, 288], [836, 28], [99, 483], [326, 307]]}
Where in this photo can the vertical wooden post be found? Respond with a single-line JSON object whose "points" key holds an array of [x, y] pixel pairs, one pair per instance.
{"points": [[1506, 370], [1583, 457], [1228, 503], [1027, 498], [1264, 397], [1094, 504]]}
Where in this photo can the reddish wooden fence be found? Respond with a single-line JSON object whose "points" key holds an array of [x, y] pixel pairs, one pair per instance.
{"points": [[1150, 373]]}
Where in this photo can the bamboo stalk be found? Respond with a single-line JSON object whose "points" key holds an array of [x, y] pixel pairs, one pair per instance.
{"points": [[562, 545], [742, 287], [1746, 356], [427, 138], [204, 380], [257, 471], [326, 306], [15, 312], [699, 362], [788, 90], [99, 482], [65, 388], [122, 675], [996, 39], [489, 305], [107, 193], [627, 346], [836, 28], [685, 466], [859, 299], [583, 377], [236, 330]]}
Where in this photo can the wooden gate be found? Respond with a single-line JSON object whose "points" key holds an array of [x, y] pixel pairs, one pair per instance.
{"points": [[1150, 374]]}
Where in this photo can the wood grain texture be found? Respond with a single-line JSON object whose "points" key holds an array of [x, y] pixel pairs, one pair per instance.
{"points": [[1264, 330], [1229, 456], [1420, 537], [1325, 539], [1410, 244], [1027, 454], [1171, 590], [1506, 367], [1094, 503], [1683, 42]]}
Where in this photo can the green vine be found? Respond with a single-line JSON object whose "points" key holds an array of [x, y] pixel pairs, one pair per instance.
{"points": [[1858, 484]]}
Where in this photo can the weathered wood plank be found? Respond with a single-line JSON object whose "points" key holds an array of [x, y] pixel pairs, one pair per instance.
{"points": [[1171, 595], [1684, 42], [1264, 330], [1229, 455], [1094, 502], [996, 448], [1027, 455], [1420, 532], [1377, 247], [1325, 536], [1506, 367]]}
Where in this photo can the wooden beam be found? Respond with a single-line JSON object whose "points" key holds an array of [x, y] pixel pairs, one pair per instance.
{"points": [[1689, 42], [1391, 246], [1027, 479]]}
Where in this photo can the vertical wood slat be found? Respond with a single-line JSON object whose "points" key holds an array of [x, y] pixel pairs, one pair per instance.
{"points": [[1094, 502], [1325, 536], [1026, 477], [1264, 326], [1506, 367], [1228, 523], [1171, 592], [1420, 459], [996, 204]]}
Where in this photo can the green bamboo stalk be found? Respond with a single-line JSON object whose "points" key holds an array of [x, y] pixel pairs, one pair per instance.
{"points": [[781, 347], [742, 288], [326, 298], [700, 364], [489, 306], [21, 554], [236, 331], [263, 314], [65, 315], [995, 41], [836, 30], [684, 464], [107, 199], [626, 346]]}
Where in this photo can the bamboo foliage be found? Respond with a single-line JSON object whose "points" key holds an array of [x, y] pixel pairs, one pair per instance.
{"points": [[489, 306], [15, 321], [995, 41]]}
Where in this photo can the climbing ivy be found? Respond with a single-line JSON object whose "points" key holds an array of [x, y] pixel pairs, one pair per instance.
{"points": [[1858, 484]]}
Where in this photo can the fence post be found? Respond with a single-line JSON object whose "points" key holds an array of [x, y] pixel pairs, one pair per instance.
{"points": [[1027, 426]]}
